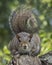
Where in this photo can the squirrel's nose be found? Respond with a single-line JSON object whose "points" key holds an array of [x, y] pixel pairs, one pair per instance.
{"points": [[24, 47]]}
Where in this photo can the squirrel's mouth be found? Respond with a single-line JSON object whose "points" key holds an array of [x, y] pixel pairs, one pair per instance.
{"points": [[24, 50], [24, 53]]}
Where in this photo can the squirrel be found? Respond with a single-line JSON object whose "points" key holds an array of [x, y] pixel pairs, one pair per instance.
{"points": [[25, 45]]}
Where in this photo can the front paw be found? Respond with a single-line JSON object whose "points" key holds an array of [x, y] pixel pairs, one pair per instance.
{"points": [[12, 62]]}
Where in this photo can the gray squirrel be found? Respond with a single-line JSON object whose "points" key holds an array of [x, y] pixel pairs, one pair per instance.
{"points": [[25, 45], [25, 48]]}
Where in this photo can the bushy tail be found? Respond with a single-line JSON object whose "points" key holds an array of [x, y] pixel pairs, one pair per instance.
{"points": [[24, 20]]}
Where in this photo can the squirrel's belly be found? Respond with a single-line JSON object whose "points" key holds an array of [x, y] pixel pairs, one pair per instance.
{"points": [[28, 60]]}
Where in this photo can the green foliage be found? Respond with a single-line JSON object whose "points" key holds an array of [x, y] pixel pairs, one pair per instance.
{"points": [[43, 8], [4, 56]]}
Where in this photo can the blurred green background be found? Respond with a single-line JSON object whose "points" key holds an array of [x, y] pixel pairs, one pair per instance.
{"points": [[43, 8]]}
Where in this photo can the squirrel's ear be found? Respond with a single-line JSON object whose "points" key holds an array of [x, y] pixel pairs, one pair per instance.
{"points": [[30, 35], [17, 36]]}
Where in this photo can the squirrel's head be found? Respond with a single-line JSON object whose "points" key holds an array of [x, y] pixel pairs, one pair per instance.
{"points": [[24, 46], [28, 43]]}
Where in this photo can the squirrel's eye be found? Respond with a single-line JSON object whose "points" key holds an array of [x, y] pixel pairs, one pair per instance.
{"points": [[29, 40]]}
